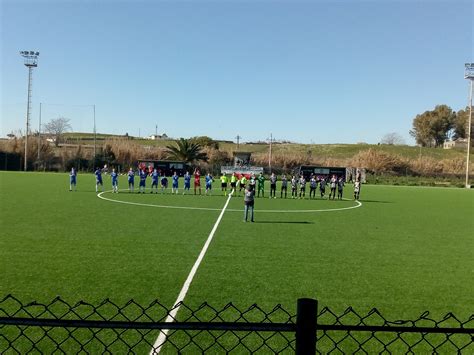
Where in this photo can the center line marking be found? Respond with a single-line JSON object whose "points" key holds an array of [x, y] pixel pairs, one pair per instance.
{"points": [[160, 341]]}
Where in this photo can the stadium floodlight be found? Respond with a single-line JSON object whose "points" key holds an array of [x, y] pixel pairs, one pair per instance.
{"points": [[469, 74], [30, 61]]}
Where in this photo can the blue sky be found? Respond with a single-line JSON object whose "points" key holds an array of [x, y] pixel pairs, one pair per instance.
{"points": [[306, 71]]}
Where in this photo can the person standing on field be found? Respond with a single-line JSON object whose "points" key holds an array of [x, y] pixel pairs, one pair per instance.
{"points": [[142, 174], [224, 180], [243, 182], [187, 182], [175, 184], [273, 185], [131, 180], [261, 185], [340, 188], [249, 201], [284, 185], [98, 179], [294, 187], [197, 180], [313, 184], [233, 183], [72, 179], [356, 190], [114, 177], [332, 185], [209, 181], [302, 186], [155, 176], [164, 184], [322, 186]]}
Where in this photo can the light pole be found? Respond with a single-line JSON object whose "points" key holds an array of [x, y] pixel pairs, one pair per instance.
{"points": [[31, 61], [270, 153], [469, 74], [95, 136], [39, 135], [238, 141]]}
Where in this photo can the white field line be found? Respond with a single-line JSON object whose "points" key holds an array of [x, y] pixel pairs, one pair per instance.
{"points": [[184, 290], [358, 204]]}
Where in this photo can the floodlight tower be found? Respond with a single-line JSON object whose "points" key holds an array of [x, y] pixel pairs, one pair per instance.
{"points": [[31, 61], [469, 74]]}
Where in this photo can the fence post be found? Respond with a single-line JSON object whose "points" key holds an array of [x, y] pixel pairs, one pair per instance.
{"points": [[306, 318]]}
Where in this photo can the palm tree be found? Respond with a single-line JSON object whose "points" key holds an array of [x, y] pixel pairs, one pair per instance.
{"points": [[187, 151]]}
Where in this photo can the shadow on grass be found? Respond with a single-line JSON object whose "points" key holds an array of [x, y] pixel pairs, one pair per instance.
{"points": [[375, 201], [289, 222]]}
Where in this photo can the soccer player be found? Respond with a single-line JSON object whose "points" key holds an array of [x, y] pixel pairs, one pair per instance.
{"points": [[209, 181], [273, 185], [174, 187], [249, 202], [356, 190], [72, 179], [233, 183], [243, 182], [313, 184], [224, 180], [261, 185], [131, 180], [197, 180], [284, 185], [302, 186], [98, 179], [332, 185], [155, 176], [187, 182], [164, 184], [294, 187], [114, 177], [253, 181], [142, 173], [322, 187], [340, 188]]}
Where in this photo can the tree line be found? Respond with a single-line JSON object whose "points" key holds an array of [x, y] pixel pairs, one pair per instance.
{"points": [[432, 128]]}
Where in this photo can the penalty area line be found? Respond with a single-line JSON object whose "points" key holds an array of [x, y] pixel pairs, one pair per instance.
{"points": [[160, 341]]}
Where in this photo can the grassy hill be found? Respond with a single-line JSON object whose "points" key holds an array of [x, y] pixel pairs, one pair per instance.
{"points": [[336, 151]]}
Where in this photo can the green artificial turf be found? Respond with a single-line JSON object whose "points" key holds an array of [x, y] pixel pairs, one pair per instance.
{"points": [[404, 251]]}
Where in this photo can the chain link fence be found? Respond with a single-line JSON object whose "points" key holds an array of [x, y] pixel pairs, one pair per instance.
{"points": [[131, 327]]}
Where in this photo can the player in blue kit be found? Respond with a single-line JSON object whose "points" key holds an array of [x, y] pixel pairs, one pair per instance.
{"points": [[187, 182], [174, 187], [98, 179], [72, 179], [131, 180], [142, 173], [164, 184], [209, 181], [114, 177], [155, 176]]}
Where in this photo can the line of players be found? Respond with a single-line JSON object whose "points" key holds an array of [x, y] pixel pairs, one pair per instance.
{"points": [[297, 184]]}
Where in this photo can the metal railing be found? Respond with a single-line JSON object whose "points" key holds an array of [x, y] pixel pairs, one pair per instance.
{"points": [[109, 327]]}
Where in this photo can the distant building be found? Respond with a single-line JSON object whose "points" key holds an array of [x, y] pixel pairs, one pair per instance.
{"points": [[155, 137], [460, 143]]}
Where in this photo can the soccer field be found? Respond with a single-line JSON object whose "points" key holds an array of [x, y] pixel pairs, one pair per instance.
{"points": [[403, 250]]}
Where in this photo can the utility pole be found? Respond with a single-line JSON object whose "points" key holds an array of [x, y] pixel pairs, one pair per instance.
{"points": [[95, 135], [238, 141], [39, 135], [31, 61], [270, 153], [469, 74], [156, 131]]}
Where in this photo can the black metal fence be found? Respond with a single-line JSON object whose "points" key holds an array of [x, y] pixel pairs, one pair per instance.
{"points": [[108, 327]]}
